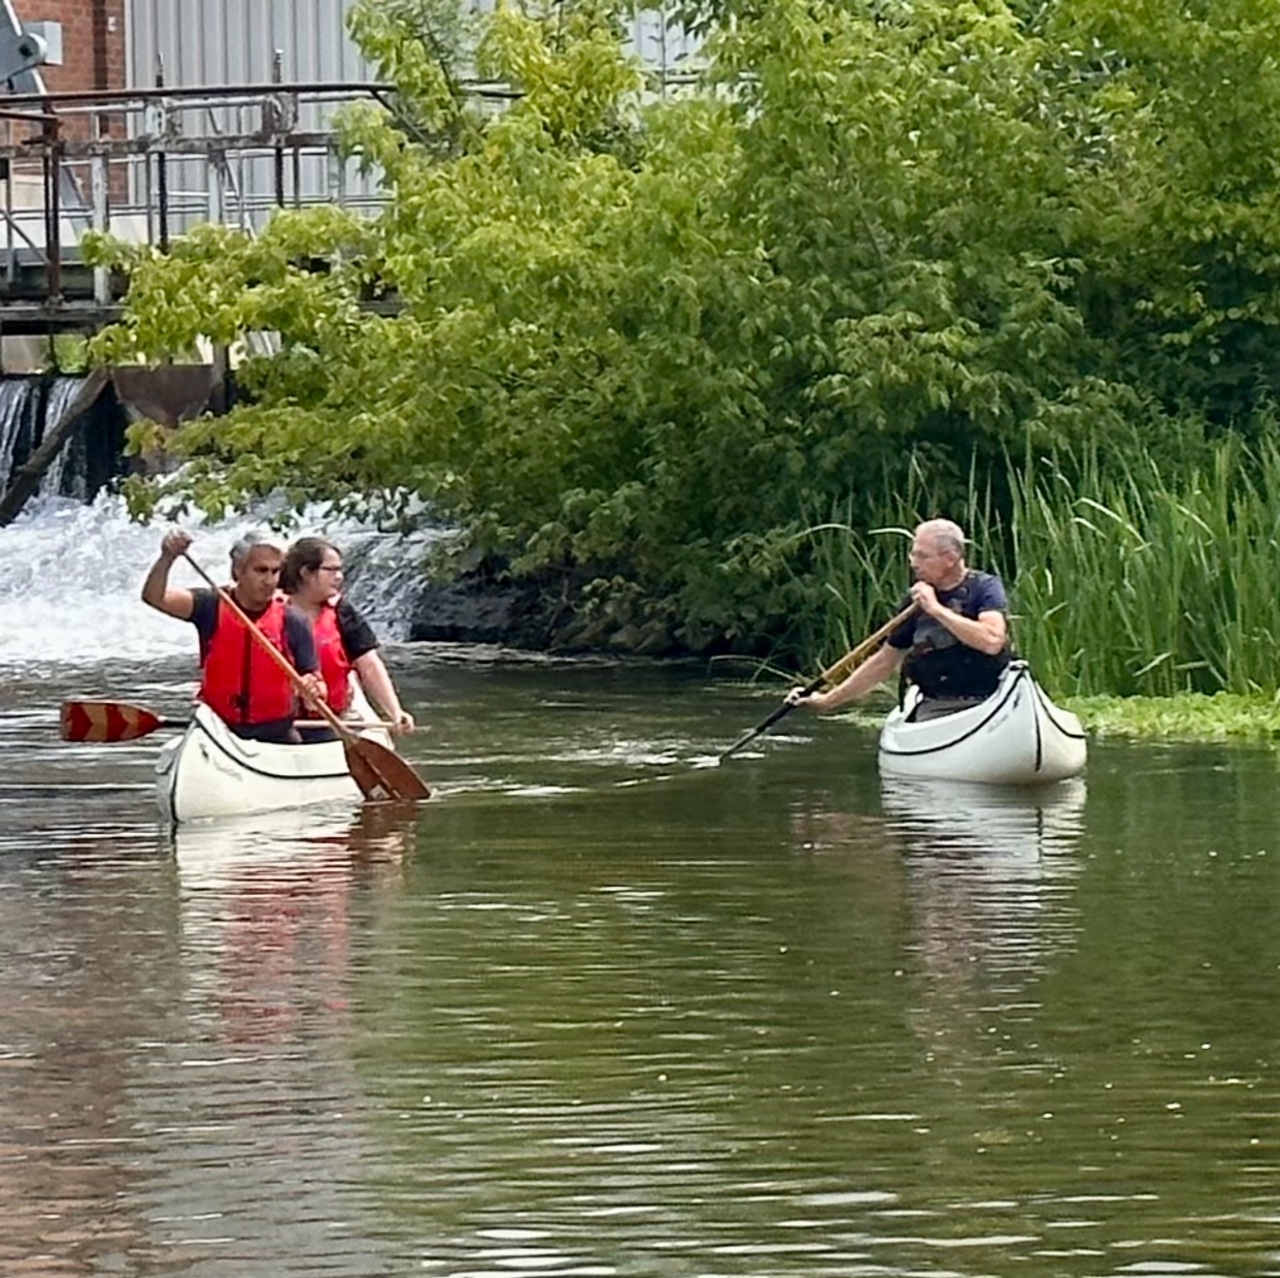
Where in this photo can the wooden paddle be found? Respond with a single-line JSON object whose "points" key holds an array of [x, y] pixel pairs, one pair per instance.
{"points": [[112, 721], [379, 772], [831, 674]]}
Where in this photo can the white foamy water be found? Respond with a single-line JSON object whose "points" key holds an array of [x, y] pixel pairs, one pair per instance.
{"points": [[71, 577]]}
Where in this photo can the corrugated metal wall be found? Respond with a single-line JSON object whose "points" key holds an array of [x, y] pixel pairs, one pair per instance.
{"points": [[208, 43], [217, 42], [213, 42], [205, 43]]}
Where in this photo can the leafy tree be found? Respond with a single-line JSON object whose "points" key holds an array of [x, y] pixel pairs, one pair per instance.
{"points": [[1180, 229], [641, 346]]}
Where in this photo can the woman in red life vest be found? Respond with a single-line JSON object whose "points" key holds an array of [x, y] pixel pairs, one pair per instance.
{"points": [[345, 642], [238, 679]]}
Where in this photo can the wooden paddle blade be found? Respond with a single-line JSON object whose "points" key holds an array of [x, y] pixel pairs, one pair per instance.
{"points": [[100, 721], [381, 773]]}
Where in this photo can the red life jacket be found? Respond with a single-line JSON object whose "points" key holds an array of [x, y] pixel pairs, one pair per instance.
{"points": [[239, 681], [334, 665]]}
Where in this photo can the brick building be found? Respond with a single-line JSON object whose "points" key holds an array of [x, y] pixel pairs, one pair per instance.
{"points": [[93, 52]]}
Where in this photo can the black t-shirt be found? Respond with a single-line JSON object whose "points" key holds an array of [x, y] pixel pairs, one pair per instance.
{"points": [[297, 629], [979, 592], [355, 632]]}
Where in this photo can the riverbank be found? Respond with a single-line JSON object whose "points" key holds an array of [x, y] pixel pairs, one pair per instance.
{"points": [[1189, 716], [543, 616], [550, 612]]}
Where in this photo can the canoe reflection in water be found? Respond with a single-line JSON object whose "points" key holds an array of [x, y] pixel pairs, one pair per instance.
{"points": [[990, 872], [998, 826], [267, 906], [253, 1104]]}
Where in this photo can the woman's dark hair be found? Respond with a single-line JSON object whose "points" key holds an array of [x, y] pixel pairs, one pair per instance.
{"points": [[306, 552]]}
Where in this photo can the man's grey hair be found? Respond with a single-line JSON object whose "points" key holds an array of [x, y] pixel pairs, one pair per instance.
{"points": [[944, 534], [249, 541]]}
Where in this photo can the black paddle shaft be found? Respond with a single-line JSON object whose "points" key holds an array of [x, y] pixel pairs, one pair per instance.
{"points": [[848, 660], [765, 724]]}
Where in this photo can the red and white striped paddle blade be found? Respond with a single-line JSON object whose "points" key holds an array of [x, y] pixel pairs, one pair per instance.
{"points": [[100, 721]]}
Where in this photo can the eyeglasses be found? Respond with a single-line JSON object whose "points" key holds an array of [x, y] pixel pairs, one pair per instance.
{"points": [[329, 568]]}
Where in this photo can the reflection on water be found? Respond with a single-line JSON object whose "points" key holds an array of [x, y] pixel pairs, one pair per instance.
{"points": [[292, 842], [989, 873], [269, 916], [993, 826], [989, 869], [175, 1046], [265, 909], [603, 1010]]}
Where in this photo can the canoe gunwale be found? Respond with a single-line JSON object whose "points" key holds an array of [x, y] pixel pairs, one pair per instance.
{"points": [[215, 737], [1051, 713]]}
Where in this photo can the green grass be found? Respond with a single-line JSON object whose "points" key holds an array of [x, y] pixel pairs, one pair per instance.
{"points": [[1222, 716], [1187, 717]]}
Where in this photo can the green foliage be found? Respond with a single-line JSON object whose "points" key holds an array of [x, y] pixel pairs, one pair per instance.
{"points": [[68, 353], [1180, 228], [1223, 716], [892, 260], [422, 47], [1151, 578]]}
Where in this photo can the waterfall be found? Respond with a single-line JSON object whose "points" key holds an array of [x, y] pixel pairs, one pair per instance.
{"points": [[19, 398], [69, 474], [30, 405], [69, 592]]}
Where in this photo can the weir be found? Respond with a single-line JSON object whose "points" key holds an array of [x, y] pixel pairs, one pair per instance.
{"points": [[65, 436], [60, 436], [73, 571]]}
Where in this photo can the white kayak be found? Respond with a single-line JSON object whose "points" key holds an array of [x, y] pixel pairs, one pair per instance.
{"points": [[1017, 736], [210, 772]]}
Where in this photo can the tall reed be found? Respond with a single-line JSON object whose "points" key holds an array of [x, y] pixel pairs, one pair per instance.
{"points": [[1150, 577], [859, 554], [1126, 576]]}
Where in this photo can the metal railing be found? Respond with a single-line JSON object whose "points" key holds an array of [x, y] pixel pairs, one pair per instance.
{"points": [[149, 163]]}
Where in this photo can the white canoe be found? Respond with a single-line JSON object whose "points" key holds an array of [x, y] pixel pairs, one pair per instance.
{"points": [[1017, 736], [210, 772]]}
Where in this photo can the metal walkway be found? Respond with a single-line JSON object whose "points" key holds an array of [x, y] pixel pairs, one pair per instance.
{"points": [[151, 164]]}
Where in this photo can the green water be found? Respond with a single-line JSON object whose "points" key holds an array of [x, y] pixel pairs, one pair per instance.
{"points": [[602, 1007]]}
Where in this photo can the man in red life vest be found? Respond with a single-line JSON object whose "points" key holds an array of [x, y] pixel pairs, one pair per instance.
{"points": [[239, 680]]}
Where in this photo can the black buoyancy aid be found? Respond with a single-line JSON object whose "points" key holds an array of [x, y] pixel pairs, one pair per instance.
{"points": [[940, 665], [239, 680]]}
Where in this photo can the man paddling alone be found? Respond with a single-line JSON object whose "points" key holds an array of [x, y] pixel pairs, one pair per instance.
{"points": [[955, 646], [238, 678]]}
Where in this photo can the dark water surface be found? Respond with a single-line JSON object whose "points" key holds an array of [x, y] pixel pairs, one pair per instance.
{"points": [[603, 1008]]}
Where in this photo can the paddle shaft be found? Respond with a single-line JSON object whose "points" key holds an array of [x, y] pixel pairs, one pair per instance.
{"points": [[856, 655], [842, 667]]}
